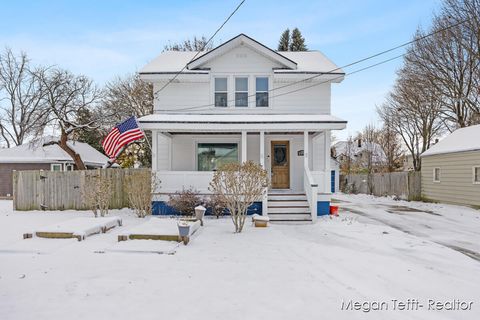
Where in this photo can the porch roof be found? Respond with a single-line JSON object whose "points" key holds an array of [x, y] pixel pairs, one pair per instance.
{"points": [[241, 122]]}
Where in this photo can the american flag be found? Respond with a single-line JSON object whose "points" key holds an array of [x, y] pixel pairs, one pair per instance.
{"points": [[120, 136]]}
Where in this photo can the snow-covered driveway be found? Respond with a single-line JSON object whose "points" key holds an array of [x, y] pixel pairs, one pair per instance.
{"points": [[456, 227], [281, 272]]}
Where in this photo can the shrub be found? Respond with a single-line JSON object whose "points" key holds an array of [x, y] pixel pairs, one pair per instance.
{"points": [[238, 186], [185, 201], [138, 187], [216, 204], [97, 193]]}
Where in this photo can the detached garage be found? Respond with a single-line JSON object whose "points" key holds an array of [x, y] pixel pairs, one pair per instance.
{"points": [[451, 168]]}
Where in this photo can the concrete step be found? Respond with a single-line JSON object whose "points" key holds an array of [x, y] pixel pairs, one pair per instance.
{"points": [[290, 217], [287, 203], [288, 197], [287, 210]]}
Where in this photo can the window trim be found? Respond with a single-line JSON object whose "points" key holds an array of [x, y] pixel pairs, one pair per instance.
{"points": [[68, 165], [235, 91], [216, 141], [52, 165], [439, 174], [215, 91], [473, 175], [267, 92]]}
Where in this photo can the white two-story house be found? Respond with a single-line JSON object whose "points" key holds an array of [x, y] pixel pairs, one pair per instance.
{"points": [[244, 101]]}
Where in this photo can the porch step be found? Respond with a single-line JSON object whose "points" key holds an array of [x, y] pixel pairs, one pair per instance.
{"points": [[287, 203], [288, 210], [289, 217], [286, 197], [288, 207]]}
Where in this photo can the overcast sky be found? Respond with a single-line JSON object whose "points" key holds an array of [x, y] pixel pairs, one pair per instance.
{"points": [[104, 39]]}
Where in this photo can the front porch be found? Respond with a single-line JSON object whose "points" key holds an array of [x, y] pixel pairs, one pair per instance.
{"points": [[297, 160]]}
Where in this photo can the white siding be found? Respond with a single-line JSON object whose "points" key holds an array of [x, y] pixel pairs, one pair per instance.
{"points": [[242, 61], [163, 152]]}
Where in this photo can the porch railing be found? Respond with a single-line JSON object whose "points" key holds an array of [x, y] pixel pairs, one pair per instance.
{"points": [[311, 190], [172, 181]]}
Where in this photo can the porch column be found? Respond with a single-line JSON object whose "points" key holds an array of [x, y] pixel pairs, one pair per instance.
{"points": [[305, 149], [262, 149], [244, 146], [328, 174], [262, 163], [154, 150]]}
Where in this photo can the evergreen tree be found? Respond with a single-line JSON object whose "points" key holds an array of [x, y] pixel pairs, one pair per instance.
{"points": [[284, 42], [298, 41]]}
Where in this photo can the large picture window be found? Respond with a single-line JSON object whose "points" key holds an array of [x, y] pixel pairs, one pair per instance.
{"points": [[261, 85], [212, 156], [221, 92], [241, 92]]}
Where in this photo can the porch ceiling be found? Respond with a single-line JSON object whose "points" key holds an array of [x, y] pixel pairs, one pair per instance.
{"points": [[241, 122]]}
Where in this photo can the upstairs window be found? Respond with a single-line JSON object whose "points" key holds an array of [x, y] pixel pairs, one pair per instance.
{"points": [[221, 92], [436, 175], [241, 92], [261, 86]]}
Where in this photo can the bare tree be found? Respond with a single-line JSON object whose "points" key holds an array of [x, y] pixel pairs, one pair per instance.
{"points": [[390, 143], [238, 186], [195, 44], [21, 98], [67, 95], [123, 98]]}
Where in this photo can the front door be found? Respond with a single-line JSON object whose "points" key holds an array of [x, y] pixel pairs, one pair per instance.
{"points": [[280, 155]]}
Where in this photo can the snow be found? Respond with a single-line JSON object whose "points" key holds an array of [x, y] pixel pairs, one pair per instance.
{"points": [[35, 152], [463, 139], [83, 226], [257, 217], [156, 226], [239, 118], [306, 61], [282, 272]]}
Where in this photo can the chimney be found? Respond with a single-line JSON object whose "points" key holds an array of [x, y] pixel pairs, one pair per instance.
{"points": [[359, 141]]}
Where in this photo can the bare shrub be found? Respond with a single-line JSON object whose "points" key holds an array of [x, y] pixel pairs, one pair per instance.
{"points": [[239, 186], [216, 204], [138, 187], [185, 201], [97, 193]]}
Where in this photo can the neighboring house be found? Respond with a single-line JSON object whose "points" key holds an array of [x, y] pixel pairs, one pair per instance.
{"points": [[408, 162], [36, 156], [358, 152], [242, 101], [451, 168]]}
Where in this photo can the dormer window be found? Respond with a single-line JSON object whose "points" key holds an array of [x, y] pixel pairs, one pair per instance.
{"points": [[261, 95], [241, 92], [221, 92]]}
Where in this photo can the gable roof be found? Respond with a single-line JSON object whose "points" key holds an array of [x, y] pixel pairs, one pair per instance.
{"points": [[242, 39], [172, 62], [461, 140], [38, 153]]}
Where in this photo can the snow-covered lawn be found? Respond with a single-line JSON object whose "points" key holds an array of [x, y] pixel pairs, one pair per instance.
{"points": [[279, 272]]}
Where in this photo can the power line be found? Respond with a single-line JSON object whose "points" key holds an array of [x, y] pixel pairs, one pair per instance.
{"points": [[198, 52], [330, 71]]}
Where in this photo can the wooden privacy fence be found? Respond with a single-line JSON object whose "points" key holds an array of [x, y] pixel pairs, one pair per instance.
{"points": [[52, 190], [406, 185]]}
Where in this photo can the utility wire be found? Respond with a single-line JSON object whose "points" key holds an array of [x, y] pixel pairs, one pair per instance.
{"points": [[330, 71], [198, 52]]}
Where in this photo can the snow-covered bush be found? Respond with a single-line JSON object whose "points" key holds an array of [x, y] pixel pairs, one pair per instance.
{"points": [[239, 186], [185, 201], [139, 187], [97, 192]]}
